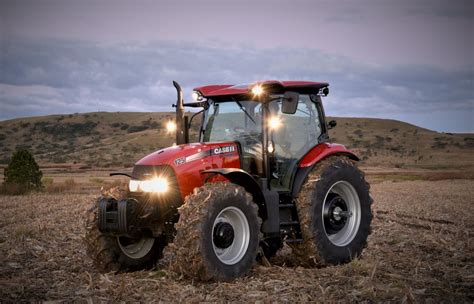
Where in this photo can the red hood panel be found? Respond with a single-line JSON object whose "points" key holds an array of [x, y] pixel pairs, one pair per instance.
{"points": [[173, 155], [189, 160], [167, 156]]}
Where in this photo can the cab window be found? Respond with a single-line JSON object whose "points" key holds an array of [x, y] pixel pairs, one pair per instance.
{"points": [[293, 135]]}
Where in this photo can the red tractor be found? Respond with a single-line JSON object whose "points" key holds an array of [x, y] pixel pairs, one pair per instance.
{"points": [[262, 174]]}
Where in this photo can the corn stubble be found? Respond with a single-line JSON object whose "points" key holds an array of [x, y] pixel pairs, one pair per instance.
{"points": [[420, 250]]}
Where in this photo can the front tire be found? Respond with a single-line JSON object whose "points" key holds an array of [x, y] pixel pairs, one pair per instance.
{"points": [[110, 253], [334, 209], [218, 233]]}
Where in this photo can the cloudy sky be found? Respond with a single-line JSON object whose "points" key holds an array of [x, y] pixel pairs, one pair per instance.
{"points": [[407, 60]]}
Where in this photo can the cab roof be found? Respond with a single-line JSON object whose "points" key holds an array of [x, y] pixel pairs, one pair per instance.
{"points": [[274, 86]]}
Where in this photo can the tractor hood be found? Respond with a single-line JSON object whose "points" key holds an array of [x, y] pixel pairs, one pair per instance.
{"points": [[188, 154], [188, 161]]}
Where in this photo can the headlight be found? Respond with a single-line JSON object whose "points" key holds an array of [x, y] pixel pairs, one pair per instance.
{"points": [[155, 185]]}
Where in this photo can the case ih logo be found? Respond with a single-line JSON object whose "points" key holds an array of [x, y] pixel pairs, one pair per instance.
{"points": [[226, 149]]}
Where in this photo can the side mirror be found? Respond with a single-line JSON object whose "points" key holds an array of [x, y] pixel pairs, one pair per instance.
{"points": [[290, 102], [332, 124]]}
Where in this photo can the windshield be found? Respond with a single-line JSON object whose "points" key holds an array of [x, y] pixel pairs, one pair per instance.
{"points": [[232, 120]]}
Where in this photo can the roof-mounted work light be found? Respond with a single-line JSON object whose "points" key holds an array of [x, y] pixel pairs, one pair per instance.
{"points": [[196, 95], [257, 90]]}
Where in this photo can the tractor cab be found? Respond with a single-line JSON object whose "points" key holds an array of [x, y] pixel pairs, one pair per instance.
{"points": [[274, 123]]}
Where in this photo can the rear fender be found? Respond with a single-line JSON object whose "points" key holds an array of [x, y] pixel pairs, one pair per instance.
{"points": [[313, 157], [323, 150]]}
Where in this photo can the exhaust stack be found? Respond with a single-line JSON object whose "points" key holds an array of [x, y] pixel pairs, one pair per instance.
{"points": [[180, 123]]}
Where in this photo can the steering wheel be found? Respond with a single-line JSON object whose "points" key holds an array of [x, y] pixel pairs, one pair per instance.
{"points": [[238, 130]]}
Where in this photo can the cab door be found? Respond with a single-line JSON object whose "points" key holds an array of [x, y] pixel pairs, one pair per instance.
{"points": [[292, 136]]}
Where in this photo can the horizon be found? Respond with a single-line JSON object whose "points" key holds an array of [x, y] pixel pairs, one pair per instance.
{"points": [[172, 112], [410, 61]]}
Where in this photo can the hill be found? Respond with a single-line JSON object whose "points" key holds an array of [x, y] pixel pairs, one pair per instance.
{"points": [[119, 139], [392, 143]]}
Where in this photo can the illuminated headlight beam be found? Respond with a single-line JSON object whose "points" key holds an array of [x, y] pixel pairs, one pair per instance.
{"points": [[154, 185]]}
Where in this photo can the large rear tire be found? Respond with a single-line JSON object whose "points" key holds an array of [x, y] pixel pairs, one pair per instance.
{"points": [[334, 209], [110, 253], [218, 234]]}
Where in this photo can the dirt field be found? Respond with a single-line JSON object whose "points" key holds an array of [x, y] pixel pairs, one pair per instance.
{"points": [[421, 249]]}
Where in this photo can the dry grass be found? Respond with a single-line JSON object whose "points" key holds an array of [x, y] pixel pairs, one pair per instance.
{"points": [[91, 140], [378, 175], [420, 250]]}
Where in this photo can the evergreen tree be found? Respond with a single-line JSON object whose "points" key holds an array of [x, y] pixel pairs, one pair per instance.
{"points": [[23, 171]]}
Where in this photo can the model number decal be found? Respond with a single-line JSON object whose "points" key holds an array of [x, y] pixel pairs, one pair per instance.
{"points": [[180, 161], [225, 149]]}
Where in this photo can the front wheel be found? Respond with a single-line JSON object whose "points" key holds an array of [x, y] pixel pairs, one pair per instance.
{"points": [[110, 253], [218, 233], [334, 208], [136, 249]]}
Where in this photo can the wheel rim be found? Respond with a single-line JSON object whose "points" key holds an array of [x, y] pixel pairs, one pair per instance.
{"points": [[341, 213], [135, 248], [230, 235]]}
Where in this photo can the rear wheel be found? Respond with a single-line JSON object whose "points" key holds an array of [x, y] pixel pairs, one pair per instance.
{"points": [[334, 208], [110, 253], [217, 233]]}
